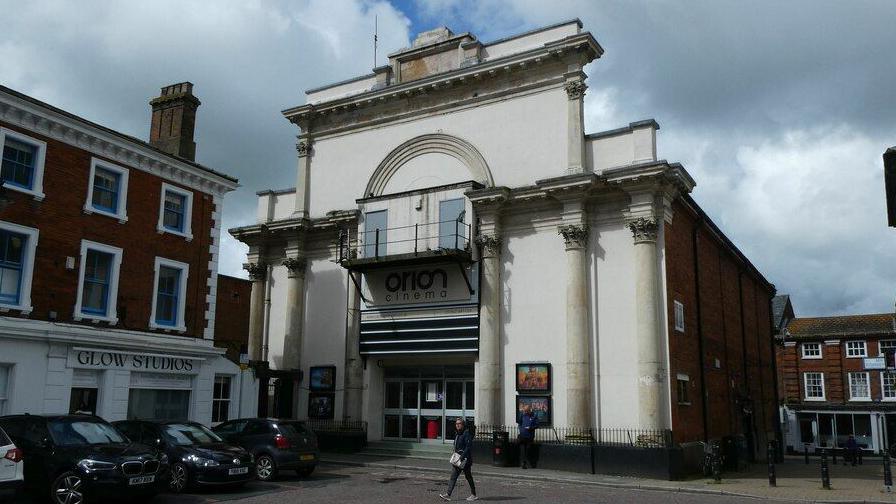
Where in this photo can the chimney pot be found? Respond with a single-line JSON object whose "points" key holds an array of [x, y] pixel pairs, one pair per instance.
{"points": [[174, 120]]}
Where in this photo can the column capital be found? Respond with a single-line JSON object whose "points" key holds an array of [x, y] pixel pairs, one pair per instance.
{"points": [[490, 244], [257, 271], [575, 89], [295, 266], [575, 235], [644, 229], [303, 147]]}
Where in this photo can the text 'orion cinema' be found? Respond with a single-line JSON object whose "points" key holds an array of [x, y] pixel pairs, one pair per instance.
{"points": [[423, 285]]}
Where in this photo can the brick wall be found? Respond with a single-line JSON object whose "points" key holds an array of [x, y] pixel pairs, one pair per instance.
{"points": [[737, 369], [232, 315], [63, 224]]}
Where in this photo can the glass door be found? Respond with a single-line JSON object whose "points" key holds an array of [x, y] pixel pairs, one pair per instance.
{"points": [[401, 413], [459, 400], [431, 412]]}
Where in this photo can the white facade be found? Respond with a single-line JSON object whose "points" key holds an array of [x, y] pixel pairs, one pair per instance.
{"points": [[554, 207]]}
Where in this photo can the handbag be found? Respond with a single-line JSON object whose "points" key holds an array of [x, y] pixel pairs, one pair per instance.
{"points": [[456, 461]]}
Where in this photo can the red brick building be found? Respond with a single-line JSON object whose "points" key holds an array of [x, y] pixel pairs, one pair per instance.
{"points": [[108, 264], [837, 379], [720, 329], [232, 315]]}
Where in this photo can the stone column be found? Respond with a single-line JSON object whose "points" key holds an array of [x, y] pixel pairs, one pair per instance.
{"points": [[303, 178], [647, 328], [295, 309], [488, 409], [258, 274], [578, 350], [354, 366], [575, 90]]}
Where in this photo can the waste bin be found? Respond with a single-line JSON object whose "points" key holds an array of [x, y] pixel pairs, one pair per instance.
{"points": [[500, 445]]}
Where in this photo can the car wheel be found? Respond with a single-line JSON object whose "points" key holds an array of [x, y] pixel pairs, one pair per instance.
{"points": [[305, 472], [179, 478], [67, 488], [265, 468]]}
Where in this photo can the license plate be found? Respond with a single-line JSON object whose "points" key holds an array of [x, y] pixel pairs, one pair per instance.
{"points": [[306, 457], [238, 470], [142, 480]]}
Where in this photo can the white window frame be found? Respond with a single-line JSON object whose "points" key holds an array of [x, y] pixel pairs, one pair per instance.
{"points": [[40, 157], [28, 256], [806, 386], [866, 397], [112, 307], [188, 211], [219, 400], [122, 214], [882, 343], [678, 308], [850, 355], [883, 396], [181, 325], [806, 356]]}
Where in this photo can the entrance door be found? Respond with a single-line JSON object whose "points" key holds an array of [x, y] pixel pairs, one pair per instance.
{"points": [[424, 409], [459, 400], [402, 410]]}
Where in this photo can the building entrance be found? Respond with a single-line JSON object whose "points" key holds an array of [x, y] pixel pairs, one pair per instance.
{"points": [[422, 404]]}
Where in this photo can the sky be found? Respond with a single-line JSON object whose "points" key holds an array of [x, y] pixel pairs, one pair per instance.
{"points": [[780, 110]]}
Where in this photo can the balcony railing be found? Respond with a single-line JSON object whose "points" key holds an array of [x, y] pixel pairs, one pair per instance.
{"points": [[414, 239]]}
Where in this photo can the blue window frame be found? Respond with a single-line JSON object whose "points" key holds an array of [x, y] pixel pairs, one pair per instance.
{"points": [[175, 211], [106, 187], [167, 294], [451, 224], [12, 253], [374, 221], [97, 280], [18, 163]]}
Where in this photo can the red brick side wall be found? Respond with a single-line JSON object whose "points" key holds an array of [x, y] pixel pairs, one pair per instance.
{"points": [[232, 314], [63, 224], [737, 354]]}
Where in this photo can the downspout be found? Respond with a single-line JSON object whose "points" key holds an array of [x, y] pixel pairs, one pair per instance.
{"points": [[700, 346], [779, 433], [267, 313]]}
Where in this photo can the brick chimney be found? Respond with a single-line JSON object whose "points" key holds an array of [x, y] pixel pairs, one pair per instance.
{"points": [[174, 119]]}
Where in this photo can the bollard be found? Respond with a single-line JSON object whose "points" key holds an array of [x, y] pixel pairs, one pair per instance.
{"points": [[888, 474], [825, 474], [716, 464], [770, 454], [806, 452]]}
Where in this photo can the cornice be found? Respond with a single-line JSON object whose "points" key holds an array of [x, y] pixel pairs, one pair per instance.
{"points": [[115, 147], [462, 77]]}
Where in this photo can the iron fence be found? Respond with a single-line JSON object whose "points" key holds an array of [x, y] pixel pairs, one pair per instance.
{"points": [[640, 438], [337, 426]]}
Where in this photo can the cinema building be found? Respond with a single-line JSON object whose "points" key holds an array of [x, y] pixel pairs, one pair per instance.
{"points": [[454, 229], [108, 262]]}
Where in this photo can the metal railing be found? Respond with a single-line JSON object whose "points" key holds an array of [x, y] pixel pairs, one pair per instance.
{"points": [[336, 425], [639, 438], [415, 238]]}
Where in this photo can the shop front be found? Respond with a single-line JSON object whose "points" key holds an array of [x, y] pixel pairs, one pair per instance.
{"points": [[816, 429], [421, 404]]}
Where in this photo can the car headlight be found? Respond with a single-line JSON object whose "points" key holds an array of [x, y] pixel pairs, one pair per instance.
{"points": [[201, 462], [95, 465]]}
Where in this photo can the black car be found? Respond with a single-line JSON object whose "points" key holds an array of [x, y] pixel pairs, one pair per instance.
{"points": [[276, 444], [73, 459], [196, 454]]}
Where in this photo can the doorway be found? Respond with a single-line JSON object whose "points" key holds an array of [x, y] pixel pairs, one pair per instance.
{"points": [[423, 408]]}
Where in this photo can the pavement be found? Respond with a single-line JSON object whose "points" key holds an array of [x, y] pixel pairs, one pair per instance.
{"points": [[796, 481]]}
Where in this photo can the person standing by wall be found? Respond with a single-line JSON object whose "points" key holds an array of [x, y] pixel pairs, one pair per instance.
{"points": [[463, 446], [527, 423]]}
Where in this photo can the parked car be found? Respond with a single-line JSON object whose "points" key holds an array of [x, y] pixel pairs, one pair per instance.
{"points": [[196, 454], [276, 444], [12, 472], [73, 459]]}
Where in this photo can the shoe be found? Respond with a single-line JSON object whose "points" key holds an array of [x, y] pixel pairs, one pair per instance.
{"points": [[472, 498], [445, 497]]}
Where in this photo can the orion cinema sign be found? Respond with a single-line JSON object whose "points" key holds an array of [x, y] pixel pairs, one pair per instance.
{"points": [[416, 285]]}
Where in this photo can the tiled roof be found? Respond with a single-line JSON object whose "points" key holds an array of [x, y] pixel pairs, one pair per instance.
{"points": [[779, 309], [847, 325]]}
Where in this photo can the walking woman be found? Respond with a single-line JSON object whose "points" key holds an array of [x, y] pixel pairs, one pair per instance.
{"points": [[463, 446]]}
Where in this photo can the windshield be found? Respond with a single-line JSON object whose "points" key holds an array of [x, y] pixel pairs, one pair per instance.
{"points": [[189, 434], [74, 431], [291, 429]]}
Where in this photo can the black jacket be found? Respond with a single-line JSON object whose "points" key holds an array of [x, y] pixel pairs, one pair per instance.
{"points": [[463, 444]]}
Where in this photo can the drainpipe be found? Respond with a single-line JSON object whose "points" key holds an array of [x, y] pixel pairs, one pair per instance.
{"points": [[700, 344], [267, 313], [779, 433]]}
